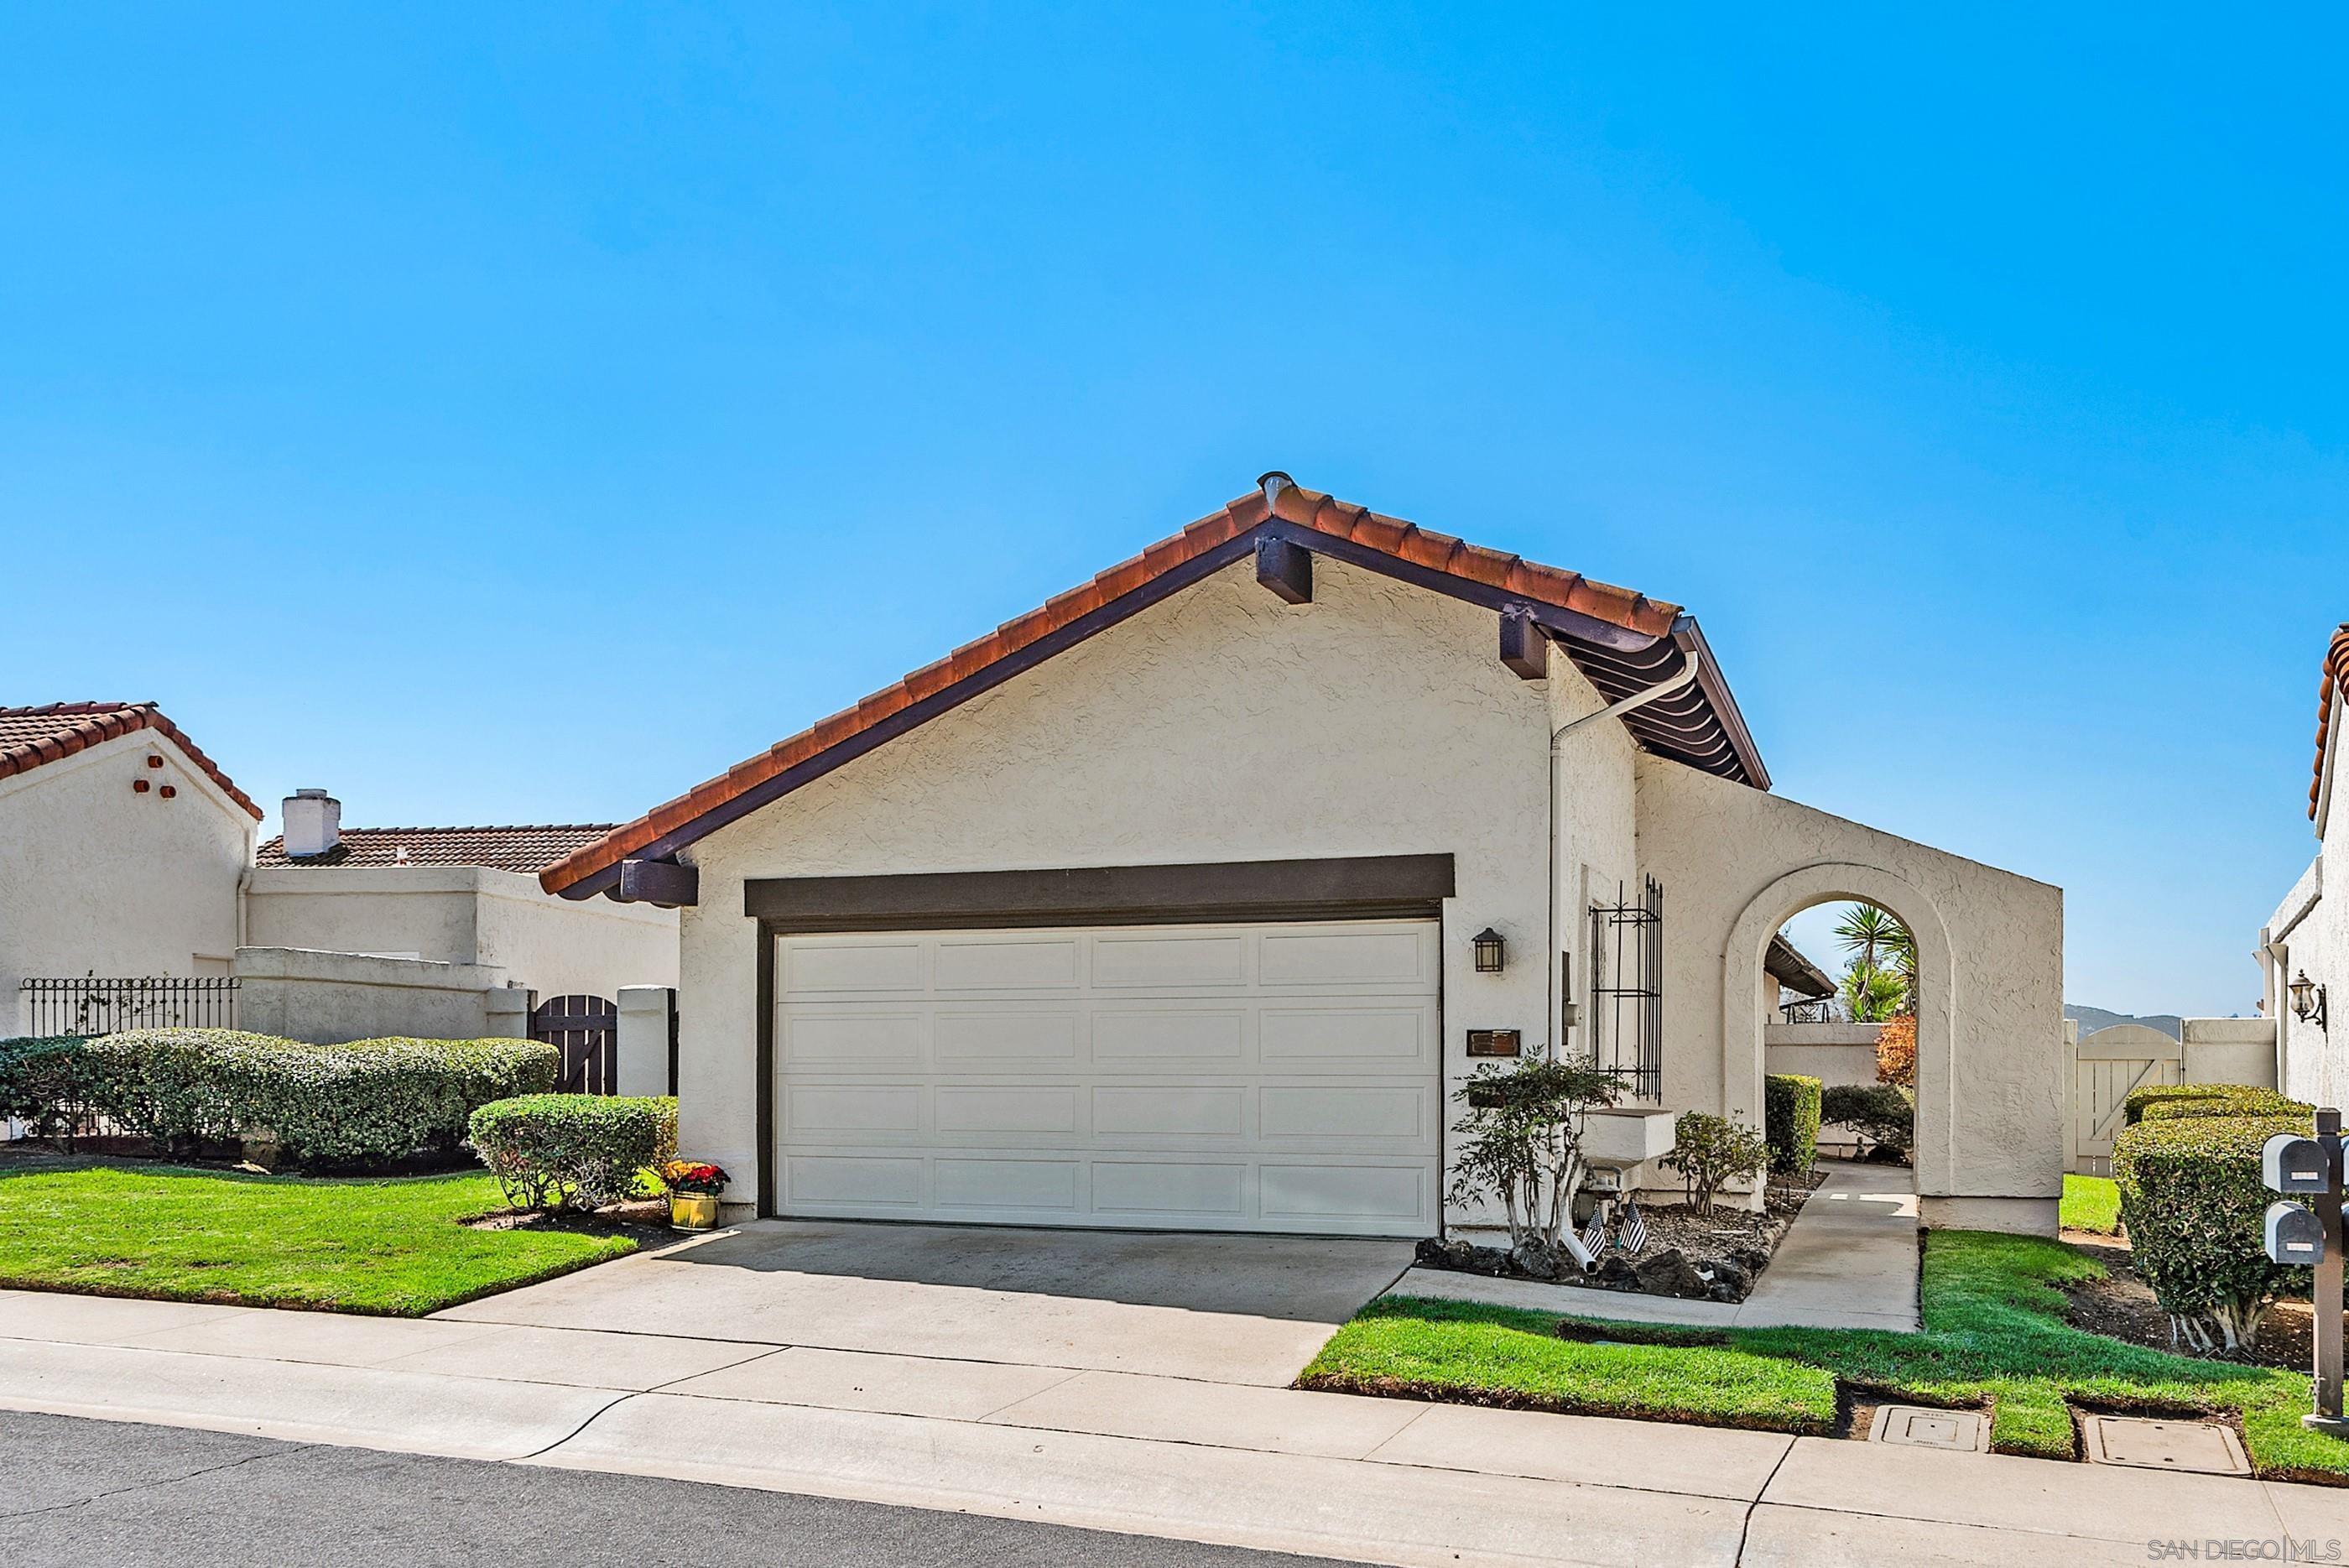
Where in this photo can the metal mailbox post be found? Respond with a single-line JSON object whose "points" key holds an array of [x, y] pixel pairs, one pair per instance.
{"points": [[2311, 1167]]}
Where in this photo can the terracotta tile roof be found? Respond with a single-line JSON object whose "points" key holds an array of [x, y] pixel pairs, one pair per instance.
{"points": [[2337, 673], [530, 849], [32, 736], [1402, 542]]}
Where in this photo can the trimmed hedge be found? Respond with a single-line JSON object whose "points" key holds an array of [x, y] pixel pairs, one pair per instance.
{"points": [[1884, 1112], [369, 1101], [2161, 1100], [573, 1151], [1790, 1118], [2194, 1204], [45, 1083]]}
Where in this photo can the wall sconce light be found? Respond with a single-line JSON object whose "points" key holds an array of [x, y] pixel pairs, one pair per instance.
{"points": [[2307, 998], [1490, 951]]}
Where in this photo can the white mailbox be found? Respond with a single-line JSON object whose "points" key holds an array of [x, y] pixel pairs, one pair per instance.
{"points": [[2294, 1235], [2291, 1163]]}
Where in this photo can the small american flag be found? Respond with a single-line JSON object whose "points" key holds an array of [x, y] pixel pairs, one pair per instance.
{"points": [[1594, 1235], [1631, 1231]]}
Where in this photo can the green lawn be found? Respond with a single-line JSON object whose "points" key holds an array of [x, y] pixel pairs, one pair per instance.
{"points": [[2092, 1203], [1994, 1334], [394, 1247]]}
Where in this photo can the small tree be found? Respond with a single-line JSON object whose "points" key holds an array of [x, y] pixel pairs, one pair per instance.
{"points": [[1896, 1052], [1710, 1151], [1521, 1141]]}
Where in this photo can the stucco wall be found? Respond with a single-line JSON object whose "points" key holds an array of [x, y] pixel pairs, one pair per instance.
{"points": [[2305, 934], [1222, 724], [97, 877], [1737, 864], [328, 998], [2230, 1051], [1831, 1052], [466, 915]]}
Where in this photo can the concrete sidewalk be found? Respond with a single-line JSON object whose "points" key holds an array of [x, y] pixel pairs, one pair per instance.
{"points": [[1390, 1481], [1849, 1261]]}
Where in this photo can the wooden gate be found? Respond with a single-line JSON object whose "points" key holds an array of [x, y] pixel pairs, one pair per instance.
{"points": [[2106, 1067], [586, 1030]]}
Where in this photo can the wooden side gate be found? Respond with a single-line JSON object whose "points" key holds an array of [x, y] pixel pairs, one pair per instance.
{"points": [[586, 1030], [2106, 1067]]}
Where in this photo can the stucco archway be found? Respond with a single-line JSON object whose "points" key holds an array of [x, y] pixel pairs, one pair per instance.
{"points": [[1745, 1017]]}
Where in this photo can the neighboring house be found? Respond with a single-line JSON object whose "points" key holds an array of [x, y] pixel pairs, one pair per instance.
{"points": [[132, 892], [1795, 985], [450, 894], [1173, 902], [2307, 938], [121, 847]]}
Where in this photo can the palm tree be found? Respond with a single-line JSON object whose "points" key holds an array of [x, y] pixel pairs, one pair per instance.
{"points": [[1871, 995], [1884, 950]]}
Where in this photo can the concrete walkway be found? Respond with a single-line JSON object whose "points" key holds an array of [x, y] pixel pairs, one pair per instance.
{"points": [[1390, 1481], [1849, 1261]]}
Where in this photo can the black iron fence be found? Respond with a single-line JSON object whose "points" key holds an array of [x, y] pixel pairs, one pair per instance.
{"points": [[100, 1005]]}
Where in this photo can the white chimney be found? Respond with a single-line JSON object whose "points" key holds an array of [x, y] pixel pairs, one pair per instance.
{"points": [[313, 823]]}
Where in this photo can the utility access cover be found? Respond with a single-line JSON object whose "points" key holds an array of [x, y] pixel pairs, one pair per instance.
{"points": [[2198, 1446], [1915, 1427]]}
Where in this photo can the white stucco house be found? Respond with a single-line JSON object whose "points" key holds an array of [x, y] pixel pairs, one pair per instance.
{"points": [[1160, 906], [2303, 949], [127, 855]]}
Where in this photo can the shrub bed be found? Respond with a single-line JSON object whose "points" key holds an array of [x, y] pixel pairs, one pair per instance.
{"points": [[1790, 1118], [2193, 1200], [1884, 1113], [2164, 1100], [371, 1101], [573, 1151]]}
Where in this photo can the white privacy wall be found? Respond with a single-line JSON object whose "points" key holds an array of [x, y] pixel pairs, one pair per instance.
{"points": [[1737, 863], [2305, 935], [94, 876], [1222, 724]]}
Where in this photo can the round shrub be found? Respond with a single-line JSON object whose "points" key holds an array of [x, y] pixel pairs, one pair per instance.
{"points": [[2193, 1201], [573, 1151], [1885, 1113], [1790, 1118]]}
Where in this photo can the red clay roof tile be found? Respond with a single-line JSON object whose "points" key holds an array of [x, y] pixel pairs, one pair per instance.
{"points": [[1308, 508], [2336, 672], [30, 737]]}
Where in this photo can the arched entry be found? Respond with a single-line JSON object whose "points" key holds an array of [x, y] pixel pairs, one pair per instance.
{"points": [[1745, 1017]]}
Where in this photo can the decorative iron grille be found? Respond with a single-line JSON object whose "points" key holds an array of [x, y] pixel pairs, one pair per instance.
{"points": [[1627, 988], [99, 1005], [1808, 1010]]}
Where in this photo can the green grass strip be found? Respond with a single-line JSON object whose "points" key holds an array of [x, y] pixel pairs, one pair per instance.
{"points": [[394, 1247]]}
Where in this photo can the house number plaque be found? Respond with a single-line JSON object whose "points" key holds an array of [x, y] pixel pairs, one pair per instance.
{"points": [[1493, 1043]]}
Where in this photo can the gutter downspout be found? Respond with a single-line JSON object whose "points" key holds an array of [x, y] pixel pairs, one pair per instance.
{"points": [[1615, 709]]}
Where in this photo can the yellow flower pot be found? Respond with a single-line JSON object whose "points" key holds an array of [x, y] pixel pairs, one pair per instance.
{"points": [[693, 1210]]}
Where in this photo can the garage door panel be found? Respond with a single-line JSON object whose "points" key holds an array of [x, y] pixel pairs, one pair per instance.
{"points": [[1330, 1111], [852, 1111], [1167, 1040], [1332, 1193], [1008, 963], [1193, 1112], [825, 1036], [977, 1037], [965, 1109], [1140, 1191], [1395, 955], [1050, 1186], [855, 1181], [845, 966], [1278, 1077], [1381, 1039], [1153, 958]]}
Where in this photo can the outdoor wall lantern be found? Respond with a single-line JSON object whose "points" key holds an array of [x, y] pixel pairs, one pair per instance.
{"points": [[1490, 950], [2307, 996]]}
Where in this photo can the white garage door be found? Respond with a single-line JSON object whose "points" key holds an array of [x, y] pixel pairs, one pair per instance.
{"points": [[1275, 1077]]}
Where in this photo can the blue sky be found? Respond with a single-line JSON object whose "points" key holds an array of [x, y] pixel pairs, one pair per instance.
{"points": [[368, 381]]}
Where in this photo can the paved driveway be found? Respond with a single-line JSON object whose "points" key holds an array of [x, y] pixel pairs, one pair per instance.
{"points": [[1226, 1309]]}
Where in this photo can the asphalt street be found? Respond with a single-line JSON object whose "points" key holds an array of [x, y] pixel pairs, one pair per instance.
{"points": [[83, 1492]]}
